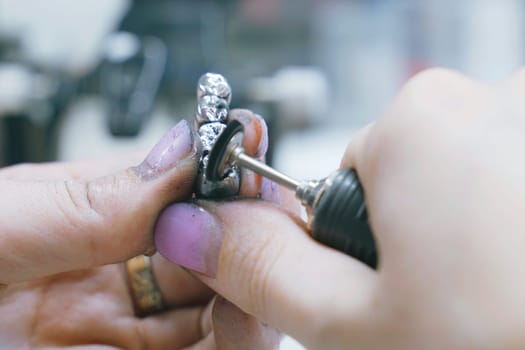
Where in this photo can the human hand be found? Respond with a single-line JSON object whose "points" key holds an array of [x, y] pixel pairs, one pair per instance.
{"points": [[443, 180], [66, 229]]}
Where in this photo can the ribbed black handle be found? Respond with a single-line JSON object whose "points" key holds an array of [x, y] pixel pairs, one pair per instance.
{"points": [[341, 220]]}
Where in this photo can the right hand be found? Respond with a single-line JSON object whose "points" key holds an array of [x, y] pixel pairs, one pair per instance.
{"points": [[443, 174]]}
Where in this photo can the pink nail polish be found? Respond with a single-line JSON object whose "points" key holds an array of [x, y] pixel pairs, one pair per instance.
{"points": [[189, 236], [270, 191], [175, 145]]}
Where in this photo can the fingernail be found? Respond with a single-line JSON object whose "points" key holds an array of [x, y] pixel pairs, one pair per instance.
{"points": [[262, 148], [175, 145], [189, 236], [270, 191], [255, 129]]}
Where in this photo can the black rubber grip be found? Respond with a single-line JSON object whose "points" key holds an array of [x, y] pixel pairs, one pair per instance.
{"points": [[341, 220], [218, 151]]}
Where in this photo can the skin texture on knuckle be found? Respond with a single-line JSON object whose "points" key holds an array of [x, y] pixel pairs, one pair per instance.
{"points": [[98, 210], [96, 201], [75, 202], [81, 213]]}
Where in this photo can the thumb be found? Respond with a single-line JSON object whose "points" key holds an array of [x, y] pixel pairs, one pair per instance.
{"points": [[48, 227], [259, 257]]}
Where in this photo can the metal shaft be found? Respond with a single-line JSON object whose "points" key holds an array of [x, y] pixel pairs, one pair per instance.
{"points": [[260, 168]]}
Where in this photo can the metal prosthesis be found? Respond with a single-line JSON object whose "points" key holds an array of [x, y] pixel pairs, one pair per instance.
{"points": [[335, 205], [213, 100]]}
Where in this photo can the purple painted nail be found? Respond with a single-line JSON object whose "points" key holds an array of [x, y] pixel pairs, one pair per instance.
{"points": [[175, 145], [270, 191], [189, 236]]}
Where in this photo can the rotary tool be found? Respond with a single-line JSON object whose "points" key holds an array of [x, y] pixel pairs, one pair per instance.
{"points": [[335, 205]]}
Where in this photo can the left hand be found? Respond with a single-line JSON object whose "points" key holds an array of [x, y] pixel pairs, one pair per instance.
{"points": [[65, 231]]}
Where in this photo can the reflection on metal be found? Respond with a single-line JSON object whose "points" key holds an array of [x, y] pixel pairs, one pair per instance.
{"points": [[213, 99]]}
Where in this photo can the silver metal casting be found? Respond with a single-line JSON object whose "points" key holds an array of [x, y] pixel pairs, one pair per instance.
{"points": [[213, 99]]}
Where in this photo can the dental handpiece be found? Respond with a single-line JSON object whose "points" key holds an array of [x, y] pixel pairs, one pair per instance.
{"points": [[337, 214]]}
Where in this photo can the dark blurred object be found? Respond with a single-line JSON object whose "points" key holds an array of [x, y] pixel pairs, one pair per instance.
{"points": [[217, 36], [194, 33], [132, 71], [30, 113], [222, 36], [175, 43]]}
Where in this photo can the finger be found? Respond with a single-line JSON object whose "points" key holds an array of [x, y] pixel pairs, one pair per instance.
{"points": [[54, 226], [353, 155], [235, 329], [208, 343], [178, 287], [255, 141], [261, 259], [171, 277], [85, 347], [228, 327], [175, 329], [73, 170], [255, 144]]}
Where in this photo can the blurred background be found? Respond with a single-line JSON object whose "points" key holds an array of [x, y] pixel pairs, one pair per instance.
{"points": [[81, 79]]}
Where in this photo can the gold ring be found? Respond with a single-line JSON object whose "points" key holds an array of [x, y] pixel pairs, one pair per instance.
{"points": [[146, 295]]}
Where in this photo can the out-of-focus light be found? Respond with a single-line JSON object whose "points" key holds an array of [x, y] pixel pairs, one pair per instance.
{"points": [[121, 46]]}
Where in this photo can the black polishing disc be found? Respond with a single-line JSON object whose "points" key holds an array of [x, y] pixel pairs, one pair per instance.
{"points": [[218, 151]]}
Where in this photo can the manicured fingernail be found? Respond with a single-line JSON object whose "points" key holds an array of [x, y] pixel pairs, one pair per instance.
{"points": [[270, 191], [189, 236], [255, 129], [175, 145], [263, 137]]}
